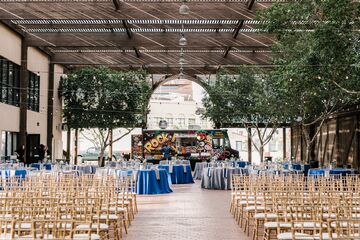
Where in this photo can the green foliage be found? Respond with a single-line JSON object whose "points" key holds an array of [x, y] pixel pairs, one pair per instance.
{"points": [[104, 98], [247, 98], [317, 55]]}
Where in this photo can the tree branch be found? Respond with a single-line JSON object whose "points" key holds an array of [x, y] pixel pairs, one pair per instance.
{"points": [[129, 130], [344, 89]]}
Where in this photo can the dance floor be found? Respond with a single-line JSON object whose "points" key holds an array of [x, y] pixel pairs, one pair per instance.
{"points": [[188, 213]]}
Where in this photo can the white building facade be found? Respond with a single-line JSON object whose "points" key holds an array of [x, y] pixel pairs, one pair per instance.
{"points": [[40, 71]]}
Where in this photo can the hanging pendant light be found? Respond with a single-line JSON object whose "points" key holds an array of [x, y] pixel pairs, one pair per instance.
{"points": [[181, 75], [182, 40], [181, 59], [184, 9]]}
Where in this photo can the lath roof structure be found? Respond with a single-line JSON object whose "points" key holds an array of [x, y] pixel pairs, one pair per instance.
{"points": [[128, 34]]}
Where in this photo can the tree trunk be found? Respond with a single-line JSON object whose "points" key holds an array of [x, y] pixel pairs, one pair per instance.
{"points": [[76, 145], [261, 152], [101, 158], [68, 144], [308, 152], [110, 144]]}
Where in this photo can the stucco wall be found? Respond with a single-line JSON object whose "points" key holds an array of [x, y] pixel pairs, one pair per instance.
{"points": [[38, 62]]}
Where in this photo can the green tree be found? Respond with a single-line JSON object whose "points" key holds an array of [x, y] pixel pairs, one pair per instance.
{"points": [[247, 99], [105, 99], [316, 58]]}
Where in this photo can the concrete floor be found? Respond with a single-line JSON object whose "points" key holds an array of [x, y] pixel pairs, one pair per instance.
{"points": [[188, 213]]}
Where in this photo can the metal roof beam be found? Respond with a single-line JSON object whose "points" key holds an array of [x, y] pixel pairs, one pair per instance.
{"points": [[227, 50], [117, 4], [250, 4], [239, 25], [137, 53], [126, 26]]}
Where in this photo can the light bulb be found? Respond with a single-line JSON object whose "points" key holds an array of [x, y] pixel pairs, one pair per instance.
{"points": [[184, 9], [182, 41], [181, 60]]}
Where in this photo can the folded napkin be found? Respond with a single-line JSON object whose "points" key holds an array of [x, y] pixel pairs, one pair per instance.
{"points": [[171, 168], [209, 172], [185, 170], [225, 172], [157, 174]]}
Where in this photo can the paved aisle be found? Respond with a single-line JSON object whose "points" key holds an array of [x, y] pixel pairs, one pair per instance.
{"points": [[188, 213]]}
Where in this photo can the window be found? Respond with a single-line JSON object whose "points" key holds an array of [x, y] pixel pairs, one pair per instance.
{"points": [[218, 143], [169, 121], [192, 121], [244, 146], [157, 120], [273, 146], [33, 92], [8, 143], [180, 121], [203, 123], [239, 145], [9, 82]]}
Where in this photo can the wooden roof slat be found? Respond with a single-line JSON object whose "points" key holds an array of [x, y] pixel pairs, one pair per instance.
{"points": [[127, 34], [149, 40], [93, 10]]}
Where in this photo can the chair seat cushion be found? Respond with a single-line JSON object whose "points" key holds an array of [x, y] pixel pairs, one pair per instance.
{"points": [[274, 225], [298, 236], [253, 208], [84, 237], [113, 209], [105, 216], [265, 215], [5, 236], [29, 237], [102, 226]]}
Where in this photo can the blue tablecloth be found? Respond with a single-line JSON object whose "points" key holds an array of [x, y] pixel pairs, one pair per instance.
{"points": [[294, 166], [121, 172], [86, 169], [11, 173], [47, 166], [178, 175], [306, 169], [341, 171], [242, 164], [298, 167], [147, 183], [316, 171]]}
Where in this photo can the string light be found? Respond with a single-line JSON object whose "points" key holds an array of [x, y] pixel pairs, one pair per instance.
{"points": [[182, 40], [184, 9]]}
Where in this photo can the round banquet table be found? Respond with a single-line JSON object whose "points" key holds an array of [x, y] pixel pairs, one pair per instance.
{"points": [[320, 171], [86, 168], [298, 167], [147, 182], [242, 164], [219, 178], [316, 171], [199, 167], [342, 171], [46, 166], [180, 174], [12, 172], [294, 166]]}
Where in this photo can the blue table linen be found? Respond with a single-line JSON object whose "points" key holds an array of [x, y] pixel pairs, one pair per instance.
{"points": [[178, 176], [341, 171], [147, 183], [47, 166], [242, 164], [316, 171]]}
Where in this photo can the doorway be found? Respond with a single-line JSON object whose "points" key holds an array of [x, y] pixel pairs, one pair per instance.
{"points": [[32, 148]]}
